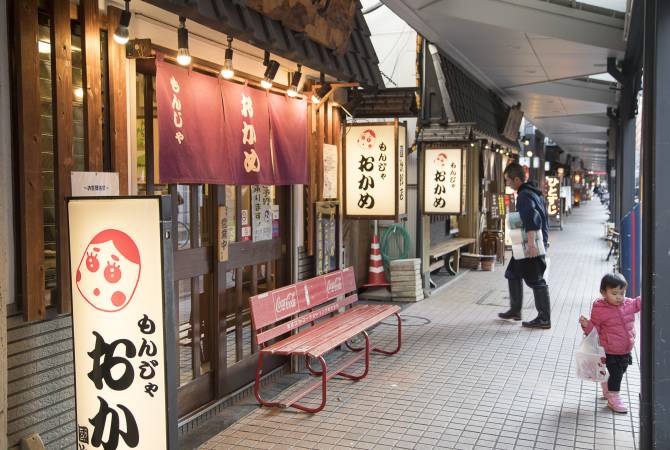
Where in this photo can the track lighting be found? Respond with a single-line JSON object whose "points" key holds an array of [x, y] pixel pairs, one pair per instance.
{"points": [[227, 71], [271, 68], [322, 92], [121, 34], [183, 55], [295, 81]]}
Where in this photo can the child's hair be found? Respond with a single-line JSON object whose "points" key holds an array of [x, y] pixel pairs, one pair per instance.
{"points": [[611, 281]]}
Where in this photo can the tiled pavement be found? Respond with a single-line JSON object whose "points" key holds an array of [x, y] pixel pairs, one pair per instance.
{"points": [[465, 379]]}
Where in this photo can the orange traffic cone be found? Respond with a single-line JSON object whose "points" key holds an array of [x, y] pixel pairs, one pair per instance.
{"points": [[376, 277]]}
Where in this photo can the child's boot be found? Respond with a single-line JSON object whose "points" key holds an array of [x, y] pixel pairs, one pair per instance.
{"points": [[615, 403], [605, 389]]}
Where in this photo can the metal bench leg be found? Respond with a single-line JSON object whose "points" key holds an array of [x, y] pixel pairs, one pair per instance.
{"points": [[397, 349], [257, 384], [378, 350], [367, 361], [324, 380]]}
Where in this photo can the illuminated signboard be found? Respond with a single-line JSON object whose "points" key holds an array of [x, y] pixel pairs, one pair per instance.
{"points": [[443, 174], [553, 195]]}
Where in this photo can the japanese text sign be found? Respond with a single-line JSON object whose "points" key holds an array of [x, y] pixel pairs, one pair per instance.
{"points": [[553, 195], [370, 160], [94, 184], [402, 169], [443, 173], [120, 343]]}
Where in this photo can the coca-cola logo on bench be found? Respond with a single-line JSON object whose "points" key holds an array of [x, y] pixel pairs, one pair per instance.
{"points": [[285, 300], [334, 284]]}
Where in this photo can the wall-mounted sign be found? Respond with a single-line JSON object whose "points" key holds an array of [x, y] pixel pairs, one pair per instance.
{"points": [[124, 342], [94, 184], [330, 167], [494, 210], [261, 212], [442, 181], [326, 237], [223, 233], [402, 169], [371, 171], [553, 186]]}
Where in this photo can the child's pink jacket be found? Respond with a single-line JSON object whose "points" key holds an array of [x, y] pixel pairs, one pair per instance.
{"points": [[615, 324]]}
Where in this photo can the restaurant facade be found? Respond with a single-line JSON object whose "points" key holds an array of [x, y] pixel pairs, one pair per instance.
{"points": [[252, 175]]}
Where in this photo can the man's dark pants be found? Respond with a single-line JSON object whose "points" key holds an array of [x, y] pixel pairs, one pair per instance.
{"points": [[530, 271]]}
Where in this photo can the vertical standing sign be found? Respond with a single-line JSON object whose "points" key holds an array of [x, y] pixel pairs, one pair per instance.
{"points": [[553, 195], [442, 181], [402, 169], [124, 343], [371, 171]]}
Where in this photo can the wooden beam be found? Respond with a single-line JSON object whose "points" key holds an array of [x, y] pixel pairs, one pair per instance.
{"points": [[92, 81], [30, 161], [61, 73], [118, 116]]}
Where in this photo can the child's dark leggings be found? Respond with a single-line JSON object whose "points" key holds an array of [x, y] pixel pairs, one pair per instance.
{"points": [[617, 366]]}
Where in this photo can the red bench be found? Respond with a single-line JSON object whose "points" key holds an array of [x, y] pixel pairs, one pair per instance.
{"points": [[279, 312]]}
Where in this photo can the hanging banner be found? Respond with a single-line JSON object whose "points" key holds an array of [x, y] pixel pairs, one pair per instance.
{"points": [[371, 166], [192, 148], [442, 186], [330, 168], [247, 129], [288, 121], [402, 169], [553, 188], [124, 343]]}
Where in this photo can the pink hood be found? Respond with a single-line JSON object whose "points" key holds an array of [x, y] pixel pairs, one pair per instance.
{"points": [[615, 324]]}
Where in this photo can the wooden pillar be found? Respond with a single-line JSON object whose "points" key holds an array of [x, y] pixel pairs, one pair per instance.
{"points": [[61, 68], [29, 160], [118, 116], [92, 79], [5, 218]]}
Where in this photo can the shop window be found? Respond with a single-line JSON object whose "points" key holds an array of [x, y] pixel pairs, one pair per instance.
{"points": [[43, 109]]}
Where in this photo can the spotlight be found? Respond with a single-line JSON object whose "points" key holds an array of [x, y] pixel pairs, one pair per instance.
{"points": [[472, 144], [227, 71], [529, 153], [79, 93], [525, 141], [121, 34], [295, 81], [318, 95], [183, 55], [271, 67], [487, 146]]}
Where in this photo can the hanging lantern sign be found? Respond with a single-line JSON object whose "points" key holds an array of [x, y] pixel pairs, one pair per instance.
{"points": [[442, 181], [553, 186], [371, 171]]}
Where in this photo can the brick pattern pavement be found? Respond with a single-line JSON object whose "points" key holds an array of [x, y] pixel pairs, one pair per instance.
{"points": [[467, 380]]}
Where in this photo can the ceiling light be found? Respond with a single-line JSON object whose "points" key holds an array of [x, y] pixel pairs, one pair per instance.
{"points": [[526, 141], [121, 34], [79, 93], [487, 146], [183, 55], [295, 81], [321, 93], [227, 71], [529, 153]]}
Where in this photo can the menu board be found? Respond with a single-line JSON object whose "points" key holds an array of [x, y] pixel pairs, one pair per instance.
{"points": [[327, 234], [494, 209]]}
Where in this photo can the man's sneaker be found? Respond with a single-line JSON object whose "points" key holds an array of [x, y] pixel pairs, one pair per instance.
{"points": [[509, 315], [606, 390], [616, 404], [537, 323]]}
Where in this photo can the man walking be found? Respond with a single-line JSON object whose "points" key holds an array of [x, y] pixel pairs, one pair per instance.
{"points": [[533, 212]]}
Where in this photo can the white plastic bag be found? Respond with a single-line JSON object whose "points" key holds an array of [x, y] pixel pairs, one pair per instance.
{"points": [[589, 359]]}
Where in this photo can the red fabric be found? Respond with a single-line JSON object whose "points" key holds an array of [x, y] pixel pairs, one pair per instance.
{"points": [[288, 120], [615, 324]]}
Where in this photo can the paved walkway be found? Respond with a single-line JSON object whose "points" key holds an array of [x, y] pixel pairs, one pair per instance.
{"points": [[465, 379]]}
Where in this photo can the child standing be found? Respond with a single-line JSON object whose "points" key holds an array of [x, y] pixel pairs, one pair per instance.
{"points": [[613, 316]]}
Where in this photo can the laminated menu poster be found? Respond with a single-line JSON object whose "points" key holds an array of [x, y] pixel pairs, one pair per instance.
{"points": [[519, 238]]}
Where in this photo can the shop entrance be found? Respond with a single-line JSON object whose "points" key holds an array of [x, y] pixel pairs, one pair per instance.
{"points": [[215, 345]]}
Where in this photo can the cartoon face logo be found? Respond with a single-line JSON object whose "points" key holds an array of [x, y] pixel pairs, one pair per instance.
{"points": [[366, 141], [109, 271], [441, 160]]}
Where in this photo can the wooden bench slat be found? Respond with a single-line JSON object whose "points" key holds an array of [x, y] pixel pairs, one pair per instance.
{"points": [[449, 246], [305, 336], [354, 330]]}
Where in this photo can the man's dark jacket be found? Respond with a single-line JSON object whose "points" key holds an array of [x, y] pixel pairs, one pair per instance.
{"points": [[533, 210]]}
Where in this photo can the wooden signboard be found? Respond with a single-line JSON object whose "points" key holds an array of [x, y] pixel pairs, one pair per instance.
{"points": [[327, 233]]}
